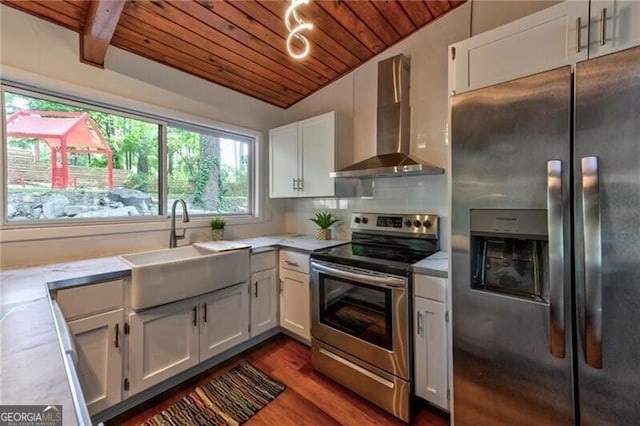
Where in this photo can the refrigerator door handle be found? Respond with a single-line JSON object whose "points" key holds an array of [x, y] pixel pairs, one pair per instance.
{"points": [[592, 260], [555, 224]]}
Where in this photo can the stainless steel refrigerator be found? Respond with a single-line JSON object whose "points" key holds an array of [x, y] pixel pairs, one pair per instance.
{"points": [[546, 247]]}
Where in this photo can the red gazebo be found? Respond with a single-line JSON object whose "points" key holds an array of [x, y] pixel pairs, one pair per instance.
{"points": [[64, 133]]}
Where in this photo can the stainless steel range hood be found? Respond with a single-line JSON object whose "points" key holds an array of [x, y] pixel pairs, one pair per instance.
{"points": [[393, 128]]}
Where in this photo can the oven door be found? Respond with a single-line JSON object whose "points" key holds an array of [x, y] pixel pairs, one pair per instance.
{"points": [[362, 313]]}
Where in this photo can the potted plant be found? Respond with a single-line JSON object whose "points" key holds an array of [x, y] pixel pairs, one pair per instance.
{"points": [[217, 228], [324, 220]]}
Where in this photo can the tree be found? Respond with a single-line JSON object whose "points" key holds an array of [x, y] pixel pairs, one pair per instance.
{"points": [[211, 149]]}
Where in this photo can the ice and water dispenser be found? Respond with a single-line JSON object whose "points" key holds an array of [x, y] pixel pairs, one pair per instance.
{"points": [[509, 252]]}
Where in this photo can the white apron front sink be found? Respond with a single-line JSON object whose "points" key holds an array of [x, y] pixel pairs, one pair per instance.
{"points": [[168, 275]]}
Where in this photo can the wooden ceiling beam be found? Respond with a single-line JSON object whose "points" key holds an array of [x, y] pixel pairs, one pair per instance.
{"points": [[99, 27]]}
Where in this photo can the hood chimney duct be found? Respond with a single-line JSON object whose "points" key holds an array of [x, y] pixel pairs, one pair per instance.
{"points": [[393, 128]]}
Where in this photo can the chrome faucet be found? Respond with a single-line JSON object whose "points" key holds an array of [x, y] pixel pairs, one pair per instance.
{"points": [[173, 238]]}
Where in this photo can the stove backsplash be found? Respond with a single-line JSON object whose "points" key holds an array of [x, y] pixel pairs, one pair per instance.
{"points": [[409, 194]]}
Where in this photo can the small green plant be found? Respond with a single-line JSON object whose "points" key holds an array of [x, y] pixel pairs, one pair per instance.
{"points": [[324, 219], [217, 223]]}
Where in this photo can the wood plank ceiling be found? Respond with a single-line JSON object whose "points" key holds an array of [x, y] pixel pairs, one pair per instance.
{"points": [[240, 44]]}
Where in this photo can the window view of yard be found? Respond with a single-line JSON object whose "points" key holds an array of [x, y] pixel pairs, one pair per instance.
{"points": [[70, 162]]}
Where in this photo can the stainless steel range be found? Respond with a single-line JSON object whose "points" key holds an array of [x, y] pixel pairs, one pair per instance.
{"points": [[361, 306]]}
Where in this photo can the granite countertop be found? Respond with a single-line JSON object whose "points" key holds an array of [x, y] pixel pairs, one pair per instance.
{"points": [[436, 265], [290, 241], [31, 363], [31, 360]]}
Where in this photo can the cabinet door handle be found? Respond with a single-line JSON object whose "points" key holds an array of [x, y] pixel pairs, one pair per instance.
{"points": [[603, 26], [291, 263], [300, 185], [294, 184], [420, 323], [116, 341], [255, 285], [281, 287], [195, 316], [578, 33], [204, 312]]}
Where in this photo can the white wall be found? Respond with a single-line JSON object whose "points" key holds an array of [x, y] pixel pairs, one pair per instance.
{"points": [[355, 95], [489, 14], [35, 52]]}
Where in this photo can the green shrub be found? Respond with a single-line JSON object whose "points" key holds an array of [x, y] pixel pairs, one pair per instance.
{"points": [[142, 182]]}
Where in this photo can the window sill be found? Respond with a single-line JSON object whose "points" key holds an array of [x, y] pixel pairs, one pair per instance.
{"points": [[76, 230]]}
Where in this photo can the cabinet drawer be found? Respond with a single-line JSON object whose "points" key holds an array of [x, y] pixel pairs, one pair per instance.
{"points": [[294, 261], [263, 261], [91, 299], [430, 287]]}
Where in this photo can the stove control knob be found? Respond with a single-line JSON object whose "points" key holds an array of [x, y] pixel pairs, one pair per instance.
{"points": [[417, 223], [356, 220], [365, 220], [426, 224], [407, 222]]}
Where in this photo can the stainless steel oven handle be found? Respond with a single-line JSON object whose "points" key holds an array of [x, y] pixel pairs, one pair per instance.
{"points": [[385, 282]]}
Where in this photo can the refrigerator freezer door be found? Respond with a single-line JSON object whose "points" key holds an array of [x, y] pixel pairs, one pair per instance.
{"points": [[502, 139], [607, 127]]}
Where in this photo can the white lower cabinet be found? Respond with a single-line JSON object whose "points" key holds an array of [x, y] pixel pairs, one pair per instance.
{"points": [[430, 337], [294, 303], [172, 338], [225, 320], [264, 301], [98, 340], [163, 342], [431, 340]]}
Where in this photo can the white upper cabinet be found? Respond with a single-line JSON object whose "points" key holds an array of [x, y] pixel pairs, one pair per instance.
{"points": [[569, 32], [283, 161], [539, 42], [613, 26], [317, 156], [302, 154]]}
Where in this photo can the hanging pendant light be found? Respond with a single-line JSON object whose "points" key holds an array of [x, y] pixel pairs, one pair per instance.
{"points": [[294, 29]]}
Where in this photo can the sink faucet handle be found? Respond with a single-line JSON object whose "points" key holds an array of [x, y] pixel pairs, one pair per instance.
{"points": [[173, 237], [185, 212]]}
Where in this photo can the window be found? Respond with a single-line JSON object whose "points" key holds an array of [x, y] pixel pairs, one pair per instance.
{"points": [[210, 170], [68, 160]]}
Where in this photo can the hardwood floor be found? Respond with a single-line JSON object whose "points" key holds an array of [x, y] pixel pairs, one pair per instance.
{"points": [[310, 398]]}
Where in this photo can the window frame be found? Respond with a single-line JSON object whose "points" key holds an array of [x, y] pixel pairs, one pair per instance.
{"points": [[164, 120], [251, 166]]}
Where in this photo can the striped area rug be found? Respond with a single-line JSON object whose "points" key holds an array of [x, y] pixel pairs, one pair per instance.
{"points": [[228, 400]]}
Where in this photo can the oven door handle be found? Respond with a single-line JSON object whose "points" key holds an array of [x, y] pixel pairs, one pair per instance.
{"points": [[384, 282]]}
